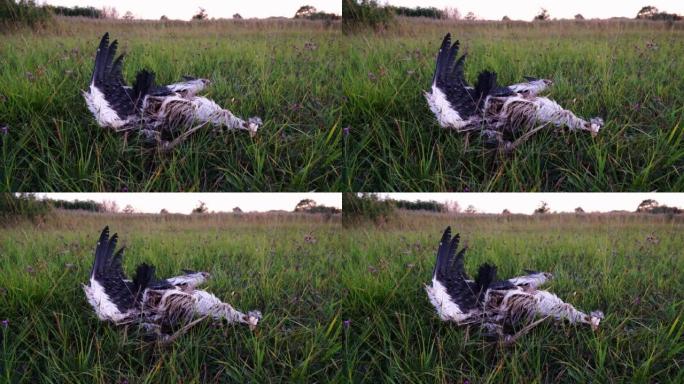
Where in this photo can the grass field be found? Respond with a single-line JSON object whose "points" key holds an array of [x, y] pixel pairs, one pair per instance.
{"points": [[278, 70], [261, 262], [605, 263], [625, 72], [349, 306]]}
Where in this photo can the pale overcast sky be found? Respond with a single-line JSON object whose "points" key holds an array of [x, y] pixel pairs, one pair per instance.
{"points": [[184, 10], [527, 9], [219, 202], [561, 202]]}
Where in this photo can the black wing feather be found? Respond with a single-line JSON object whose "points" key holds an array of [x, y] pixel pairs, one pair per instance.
{"points": [[108, 272], [450, 272], [450, 78], [108, 78]]}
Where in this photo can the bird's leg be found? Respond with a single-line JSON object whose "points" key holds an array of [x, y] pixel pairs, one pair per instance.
{"points": [[169, 145], [548, 111], [210, 112], [511, 339], [167, 339]]}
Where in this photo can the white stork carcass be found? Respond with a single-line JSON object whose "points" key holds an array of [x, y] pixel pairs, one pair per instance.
{"points": [[495, 305], [156, 305], [163, 115], [500, 114]]}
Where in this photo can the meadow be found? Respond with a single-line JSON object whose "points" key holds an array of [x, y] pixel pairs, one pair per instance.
{"points": [[628, 266], [624, 71], [279, 70], [282, 264], [346, 305]]}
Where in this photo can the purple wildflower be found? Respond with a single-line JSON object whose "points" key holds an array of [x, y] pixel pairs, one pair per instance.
{"points": [[466, 381], [346, 323], [124, 189], [5, 323], [4, 129], [466, 189], [346, 130]]}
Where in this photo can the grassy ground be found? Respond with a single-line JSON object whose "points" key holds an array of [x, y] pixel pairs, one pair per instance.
{"points": [[623, 72], [278, 70], [256, 263], [350, 306], [605, 263]]}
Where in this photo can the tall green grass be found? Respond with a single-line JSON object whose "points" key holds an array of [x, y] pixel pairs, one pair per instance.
{"points": [[625, 72], [284, 265], [346, 305], [279, 70], [628, 266]]}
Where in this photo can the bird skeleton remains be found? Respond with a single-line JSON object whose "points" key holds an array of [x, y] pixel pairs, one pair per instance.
{"points": [[162, 115], [500, 114], [495, 305], [158, 306]]}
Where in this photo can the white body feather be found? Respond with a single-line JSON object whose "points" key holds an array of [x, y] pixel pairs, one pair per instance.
{"points": [[536, 303], [105, 116], [104, 307], [447, 117], [538, 109], [445, 306], [190, 303]]}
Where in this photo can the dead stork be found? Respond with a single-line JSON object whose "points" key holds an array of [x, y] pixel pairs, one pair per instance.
{"points": [[164, 115], [156, 305], [500, 114], [495, 305]]}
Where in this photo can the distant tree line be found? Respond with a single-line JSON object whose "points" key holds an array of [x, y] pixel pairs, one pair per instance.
{"points": [[311, 13], [76, 11], [84, 205], [429, 12], [650, 12], [652, 206], [420, 205], [310, 206]]}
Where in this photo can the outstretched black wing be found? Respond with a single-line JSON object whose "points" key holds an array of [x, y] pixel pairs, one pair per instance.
{"points": [[108, 273], [450, 79], [450, 272], [108, 79]]}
